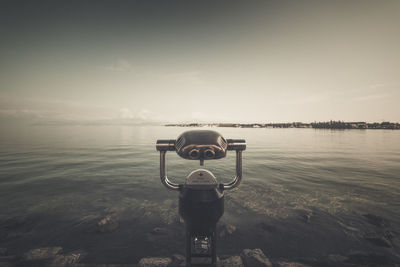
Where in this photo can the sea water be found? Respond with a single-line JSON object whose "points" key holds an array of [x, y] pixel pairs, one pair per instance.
{"points": [[306, 194]]}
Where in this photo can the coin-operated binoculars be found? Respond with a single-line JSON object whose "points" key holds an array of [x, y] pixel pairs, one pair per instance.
{"points": [[201, 198]]}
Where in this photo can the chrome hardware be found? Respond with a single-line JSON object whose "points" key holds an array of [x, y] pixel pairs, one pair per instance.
{"points": [[201, 145], [163, 173], [238, 177]]}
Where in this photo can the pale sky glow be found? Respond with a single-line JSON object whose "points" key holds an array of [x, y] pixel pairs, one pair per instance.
{"points": [[158, 62]]}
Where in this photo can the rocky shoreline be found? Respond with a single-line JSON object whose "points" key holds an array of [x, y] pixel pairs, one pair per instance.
{"points": [[55, 257], [378, 233], [248, 258]]}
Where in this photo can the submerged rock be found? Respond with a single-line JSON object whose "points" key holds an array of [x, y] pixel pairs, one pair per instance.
{"points": [[8, 260], [3, 251], [225, 229], [269, 227], [155, 262], [16, 222], [376, 220], [367, 259], [178, 260], [7, 264], [3, 234], [160, 235], [42, 253], [336, 258], [15, 227], [233, 261], [51, 256], [107, 224], [290, 264], [167, 211], [70, 258], [255, 258], [306, 217], [160, 231], [378, 240], [5, 259]]}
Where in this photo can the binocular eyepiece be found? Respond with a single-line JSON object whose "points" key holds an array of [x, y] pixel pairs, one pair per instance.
{"points": [[201, 145]]}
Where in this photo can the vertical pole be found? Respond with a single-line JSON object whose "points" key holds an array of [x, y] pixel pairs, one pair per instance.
{"points": [[213, 246], [188, 246]]}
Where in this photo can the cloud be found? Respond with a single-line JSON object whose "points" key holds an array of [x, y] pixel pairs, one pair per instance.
{"points": [[143, 114], [125, 113], [302, 99], [182, 77], [56, 112], [120, 65], [372, 97], [377, 85], [198, 116], [185, 77]]}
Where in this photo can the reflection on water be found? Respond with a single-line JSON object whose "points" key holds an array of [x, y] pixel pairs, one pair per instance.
{"points": [[307, 195]]}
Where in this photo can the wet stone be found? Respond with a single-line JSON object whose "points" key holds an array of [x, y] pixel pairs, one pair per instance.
{"points": [[268, 227], [107, 224], [42, 253], [7, 264], [8, 258], [367, 259], [155, 262], [178, 260], [225, 229], [68, 258], [3, 234], [233, 261], [13, 235], [255, 258], [337, 258], [3, 251], [389, 235], [306, 217], [378, 240], [166, 210], [16, 222], [159, 231], [376, 220], [290, 264], [160, 234]]}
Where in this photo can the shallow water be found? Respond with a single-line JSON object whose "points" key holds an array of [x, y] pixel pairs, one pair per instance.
{"points": [[306, 194]]}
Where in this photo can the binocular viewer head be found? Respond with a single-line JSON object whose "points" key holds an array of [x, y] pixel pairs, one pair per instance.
{"points": [[201, 145]]}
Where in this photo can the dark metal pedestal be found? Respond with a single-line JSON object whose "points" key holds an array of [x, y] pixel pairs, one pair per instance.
{"points": [[201, 247]]}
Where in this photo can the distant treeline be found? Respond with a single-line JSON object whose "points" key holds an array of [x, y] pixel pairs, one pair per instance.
{"points": [[355, 125], [316, 125]]}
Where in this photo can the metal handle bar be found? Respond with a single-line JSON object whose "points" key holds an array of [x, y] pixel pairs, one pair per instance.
{"points": [[238, 177], [169, 145], [163, 173], [236, 144]]}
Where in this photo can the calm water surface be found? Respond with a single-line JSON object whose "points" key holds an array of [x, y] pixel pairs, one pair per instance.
{"points": [[307, 195]]}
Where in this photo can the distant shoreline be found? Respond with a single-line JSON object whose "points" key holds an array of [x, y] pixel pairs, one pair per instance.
{"points": [[314, 125]]}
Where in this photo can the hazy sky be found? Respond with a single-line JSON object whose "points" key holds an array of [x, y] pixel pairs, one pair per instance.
{"points": [[231, 61]]}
